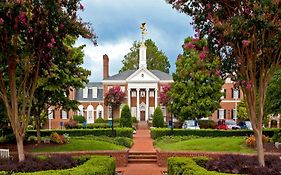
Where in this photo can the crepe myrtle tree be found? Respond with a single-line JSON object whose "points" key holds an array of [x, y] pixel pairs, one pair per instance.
{"points": [[32, 34], [246, 35], [197, 82], [114, 98]]}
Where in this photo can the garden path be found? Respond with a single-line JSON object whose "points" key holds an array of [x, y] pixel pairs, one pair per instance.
{"points": [[142, 143]]}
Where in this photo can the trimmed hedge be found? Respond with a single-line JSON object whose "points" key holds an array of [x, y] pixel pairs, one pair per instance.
{"points": [[160, 132], [188, 166], [120, 132], [96, 165]]}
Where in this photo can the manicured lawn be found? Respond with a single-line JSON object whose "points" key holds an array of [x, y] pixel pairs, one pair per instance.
{"points": [[77, 144], [215, 144]]}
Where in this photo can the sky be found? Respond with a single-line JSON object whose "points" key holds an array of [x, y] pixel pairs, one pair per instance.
{"points": [[117, 25]]}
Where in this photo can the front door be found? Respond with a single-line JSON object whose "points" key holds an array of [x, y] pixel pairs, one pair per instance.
{"points": [[142, 115]]}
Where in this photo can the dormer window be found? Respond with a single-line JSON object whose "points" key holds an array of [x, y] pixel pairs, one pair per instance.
{"points": [[95, 92], [85, 92]]}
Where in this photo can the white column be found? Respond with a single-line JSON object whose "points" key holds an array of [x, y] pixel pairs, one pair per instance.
{"points": [[129, 97], [156, 98], [147, 104], [138, 104]]}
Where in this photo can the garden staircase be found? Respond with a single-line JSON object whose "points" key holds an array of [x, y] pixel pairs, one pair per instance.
{"points": [[142, 157]]}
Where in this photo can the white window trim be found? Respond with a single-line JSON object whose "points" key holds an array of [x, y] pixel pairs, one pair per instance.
{"points": [[85, 92], [95, 92], [221, 113]]}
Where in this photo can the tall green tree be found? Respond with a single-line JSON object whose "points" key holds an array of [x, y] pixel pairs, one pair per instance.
{"points": [[31, 41], [246, 35], [126, 118], [66, 75], [242, 113], [155, 58], [273, 95], [197, 82]]}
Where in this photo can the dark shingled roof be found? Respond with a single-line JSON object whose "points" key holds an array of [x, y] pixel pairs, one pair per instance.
{"points": [[79, 93], [124, 75]]}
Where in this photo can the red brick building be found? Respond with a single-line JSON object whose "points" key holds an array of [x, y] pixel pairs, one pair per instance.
{"points": [[142, 88]]}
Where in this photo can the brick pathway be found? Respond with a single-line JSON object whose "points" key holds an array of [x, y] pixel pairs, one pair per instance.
{"points": [[142, 142]]}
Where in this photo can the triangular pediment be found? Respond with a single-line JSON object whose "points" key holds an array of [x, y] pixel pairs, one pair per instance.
{"points": [[142, 75]]}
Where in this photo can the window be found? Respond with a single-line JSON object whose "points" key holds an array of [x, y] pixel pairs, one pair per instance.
{"points": [[151, 93], [151, 111], [80, 111], [224, 93], [51, 114], [221, 113], [236, 93], [85, 92], [63, 114], [95, 92], [234, 113], [142, 93], [164, 111], [134, 93], [134, 111], [100, 112]]}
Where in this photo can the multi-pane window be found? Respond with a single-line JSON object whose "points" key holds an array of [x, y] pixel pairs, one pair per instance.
{"points": [[95, 92], [50, 114], [134, 111], [85, 92], [236, 93], [63, 114], [134, 93], [151, 93], [221, 113], [234, 114]]}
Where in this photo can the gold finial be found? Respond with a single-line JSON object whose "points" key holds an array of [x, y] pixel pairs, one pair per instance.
{"points": [[143, 31]]}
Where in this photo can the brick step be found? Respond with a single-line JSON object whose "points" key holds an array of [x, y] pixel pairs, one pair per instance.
{"points": [[142, 156], [142, 160]]}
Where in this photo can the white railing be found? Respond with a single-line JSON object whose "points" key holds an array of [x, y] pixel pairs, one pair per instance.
{"points": [[4, 153]]}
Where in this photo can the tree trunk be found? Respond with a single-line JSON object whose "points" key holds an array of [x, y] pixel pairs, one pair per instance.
{"points": [[20, 148], [260, 150], [37, 125]]}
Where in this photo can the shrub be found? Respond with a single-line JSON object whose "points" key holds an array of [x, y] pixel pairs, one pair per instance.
{"points": [[98, 125], [79, 118], [183, 165], [276, 137], [135, 120], [32, 139], [158, 120], [56, 138], [126, 118], [121, 132], [100, 120], [160, 132], [206, 124], [251, 141], [71, 124]]}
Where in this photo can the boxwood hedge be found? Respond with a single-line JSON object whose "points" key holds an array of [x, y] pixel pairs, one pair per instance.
{"points": [[120, 132], [186, 166], [96, 165], [160, 132]]}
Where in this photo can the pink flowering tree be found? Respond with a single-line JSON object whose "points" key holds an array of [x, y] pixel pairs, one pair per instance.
{"points": [[164, 96], [114, 98], [246, 35], [31, 40], [197, 82]]}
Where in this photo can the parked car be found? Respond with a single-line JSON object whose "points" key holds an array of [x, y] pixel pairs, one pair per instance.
{"points": [[190, 124], [245, 125], [231, 124], [221, 124]]}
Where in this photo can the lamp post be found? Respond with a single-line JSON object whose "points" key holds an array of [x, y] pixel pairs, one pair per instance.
{"points": [[111, 113], [172, 121]]}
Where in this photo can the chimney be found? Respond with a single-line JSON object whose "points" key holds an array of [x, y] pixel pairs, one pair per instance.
{"points": [[105, 66]]}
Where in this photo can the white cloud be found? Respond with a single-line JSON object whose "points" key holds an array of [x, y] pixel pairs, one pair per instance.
{"points": [[115, 50]]}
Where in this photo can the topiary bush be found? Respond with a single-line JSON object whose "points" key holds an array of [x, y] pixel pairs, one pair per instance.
{"points": [[126, 118], [79, 118], [100, 120], [158, 119]]}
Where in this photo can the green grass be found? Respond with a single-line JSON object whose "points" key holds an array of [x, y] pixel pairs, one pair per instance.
{"points": [[213, 144], [81, 144]]}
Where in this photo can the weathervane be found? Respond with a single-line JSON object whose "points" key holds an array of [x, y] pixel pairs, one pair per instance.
{"points": [[143, 31]]}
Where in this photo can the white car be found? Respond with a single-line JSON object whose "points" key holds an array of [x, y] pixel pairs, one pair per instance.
{"points": [[190, 124], [231, 124]]}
